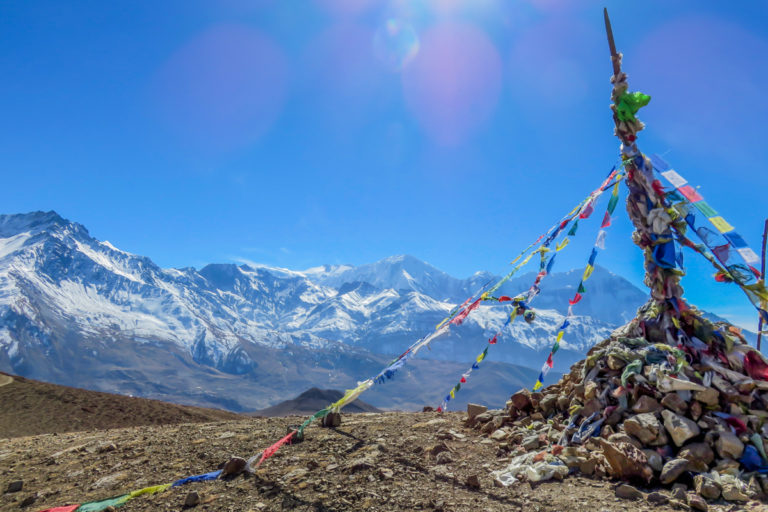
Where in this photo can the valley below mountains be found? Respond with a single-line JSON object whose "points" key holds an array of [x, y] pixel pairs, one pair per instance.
{"points": [[80, 312]]}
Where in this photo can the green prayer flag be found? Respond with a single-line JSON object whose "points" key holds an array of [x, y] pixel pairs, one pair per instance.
{"points": [[612, 203], [629, 104], [705, 209], [572, 231], [581, 288], [98, 506]]}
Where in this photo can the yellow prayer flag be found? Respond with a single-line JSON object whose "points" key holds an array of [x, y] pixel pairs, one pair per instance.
{"points": [[560, 336], [453, 395], [537, 385], [721, 224], [149, 490], [562, 244], [587, 272]]}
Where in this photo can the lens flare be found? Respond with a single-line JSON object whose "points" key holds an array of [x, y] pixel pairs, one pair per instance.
{"points": [[224, 88], [453, 85], [395, 44]]}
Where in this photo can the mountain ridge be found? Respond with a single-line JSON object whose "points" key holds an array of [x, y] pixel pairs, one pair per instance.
{"points": [[70, 303]]}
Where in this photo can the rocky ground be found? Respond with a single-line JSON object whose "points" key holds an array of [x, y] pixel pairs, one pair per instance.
{"points": [[386, 461]]}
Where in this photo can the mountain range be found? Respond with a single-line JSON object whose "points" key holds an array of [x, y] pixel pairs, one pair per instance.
{"points": [[78, 311]]}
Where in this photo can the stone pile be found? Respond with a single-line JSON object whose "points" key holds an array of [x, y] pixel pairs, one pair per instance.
{"points": [[689, 412]]}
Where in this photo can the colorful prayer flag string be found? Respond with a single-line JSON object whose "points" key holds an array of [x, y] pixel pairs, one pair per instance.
{"points": [[599, 244], [722, 243]]}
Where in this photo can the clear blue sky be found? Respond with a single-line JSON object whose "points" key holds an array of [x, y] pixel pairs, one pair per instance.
{"points": [[297, 133]]}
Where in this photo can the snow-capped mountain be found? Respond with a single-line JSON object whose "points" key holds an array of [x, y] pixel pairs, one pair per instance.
{"points": [[78, 311]]}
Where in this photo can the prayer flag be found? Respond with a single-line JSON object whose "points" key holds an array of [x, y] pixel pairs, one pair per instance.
{"points": [[690, 193], [705, 209], [675, 179], [721, 224]]}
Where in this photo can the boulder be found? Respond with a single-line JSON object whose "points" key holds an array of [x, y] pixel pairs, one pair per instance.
{"points": [[710, 397], [625, 461], [628, 492], [728, 445], [521, 400], [673, 402], [473, 410], [654, 460], [696, 502], [680, 428], [644, 426], [672, 470], [699, 456], [646, 404], [706, 486]]}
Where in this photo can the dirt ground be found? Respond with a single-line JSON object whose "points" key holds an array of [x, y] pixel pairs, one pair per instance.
{"points": [[29, 407], [377, 462]]}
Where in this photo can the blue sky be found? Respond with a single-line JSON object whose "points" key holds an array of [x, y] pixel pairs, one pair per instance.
{"points": [[297, 133]]}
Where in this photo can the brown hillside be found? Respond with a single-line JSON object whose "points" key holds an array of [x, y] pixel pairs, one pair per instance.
{"points": [[29, 407]]}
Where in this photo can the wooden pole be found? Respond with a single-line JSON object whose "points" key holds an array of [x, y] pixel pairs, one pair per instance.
{"points": [[762, 275]]}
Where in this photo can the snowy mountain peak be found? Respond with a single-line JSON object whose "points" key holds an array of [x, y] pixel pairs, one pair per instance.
{"points": [[36, 222]]}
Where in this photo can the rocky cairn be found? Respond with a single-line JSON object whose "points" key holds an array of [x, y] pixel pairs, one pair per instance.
{"points": [[687, 414]]}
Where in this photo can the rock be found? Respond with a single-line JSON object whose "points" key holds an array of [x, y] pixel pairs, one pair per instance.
{"points": [[499, 435], [675, 403], [654, 460], [657, 497], [680, 428], [678, 491], [591, 407], [699, 456], [15, 486], [621, 437], [733, 488], [386, 473], [563, 402], [696, 502], [331, 420], [672, 470], [728, 445], [696, 410], [483, 417], [29, 500], [435, 449], [531, 443], [588, 466], [473, 482], [615, 363], [706, 486], [646, 404], [362, 464], [628, 492], [710, 397], [444, 458], [521, 400], [428, 408], [233, 467], [645, 427], [547, 404], [473, 410], [295, 475], [625, 461], [192, 499]]}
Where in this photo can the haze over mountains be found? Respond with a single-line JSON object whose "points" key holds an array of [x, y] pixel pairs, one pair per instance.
{"points": [[78, 311]]}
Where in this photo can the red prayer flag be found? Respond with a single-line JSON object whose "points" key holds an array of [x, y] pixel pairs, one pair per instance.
{"points": [[273, 449], [690, 193], [587, 211], [606, 220], [658, 188], [504, 298], [463, 380], [464, 314], [492, 341], [576, 298], [755, 366], [549, 361], [68, 508]]}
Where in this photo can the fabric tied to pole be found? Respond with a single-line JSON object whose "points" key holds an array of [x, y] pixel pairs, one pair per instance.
{"points": [[67, 508]]}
